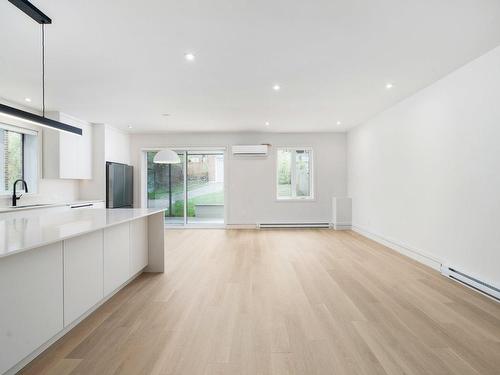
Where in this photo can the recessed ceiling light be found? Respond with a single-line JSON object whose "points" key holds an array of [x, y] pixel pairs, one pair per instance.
{"points": [[338, 123], [389, 85], [267, 123], [28, 100], [189, 56], [130, 126], [276, 87]]}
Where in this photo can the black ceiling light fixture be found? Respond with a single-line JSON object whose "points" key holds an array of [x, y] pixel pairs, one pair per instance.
{"points": [[37, 15]]}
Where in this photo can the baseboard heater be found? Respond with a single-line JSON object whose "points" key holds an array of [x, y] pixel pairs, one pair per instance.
{"points": [[471, 282], [293, 225]]}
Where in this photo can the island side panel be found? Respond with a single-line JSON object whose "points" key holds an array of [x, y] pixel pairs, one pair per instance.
{"points": [[138, 245], [156, 243], [31, 295]]}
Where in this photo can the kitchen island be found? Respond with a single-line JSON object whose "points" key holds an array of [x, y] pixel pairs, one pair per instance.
{"points": [[56, 268]]}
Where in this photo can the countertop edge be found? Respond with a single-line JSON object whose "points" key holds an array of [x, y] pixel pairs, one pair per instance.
{"points": [[64, 238], [10, 210]]}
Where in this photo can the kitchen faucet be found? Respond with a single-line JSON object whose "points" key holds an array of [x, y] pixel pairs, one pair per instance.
{"points": [[14, 195]]}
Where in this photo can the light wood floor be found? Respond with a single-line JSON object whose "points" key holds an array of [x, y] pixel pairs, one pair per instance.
{"points": [[283, 302]]}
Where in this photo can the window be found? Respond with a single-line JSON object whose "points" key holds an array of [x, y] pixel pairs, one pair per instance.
{"points": [[294, 173], [18, 157]]}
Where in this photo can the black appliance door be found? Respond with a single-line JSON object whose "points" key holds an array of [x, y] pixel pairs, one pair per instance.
{"points": [[128, 188], [115, 195]]}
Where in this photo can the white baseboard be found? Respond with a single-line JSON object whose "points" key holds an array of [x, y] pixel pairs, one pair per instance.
{"points": [[342, 226], [241, 226], [416, 254], [293, 225]]}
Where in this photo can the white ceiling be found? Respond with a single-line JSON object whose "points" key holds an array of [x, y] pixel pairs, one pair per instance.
{"points": [[122, 62]]}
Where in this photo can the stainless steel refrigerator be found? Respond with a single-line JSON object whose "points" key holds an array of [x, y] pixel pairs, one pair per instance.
{"points": [[119, 185]]}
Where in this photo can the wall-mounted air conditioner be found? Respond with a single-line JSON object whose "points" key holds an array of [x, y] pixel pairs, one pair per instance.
{"points": [[257, 150]]}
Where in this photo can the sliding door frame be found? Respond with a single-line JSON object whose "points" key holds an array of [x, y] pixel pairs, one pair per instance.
{"points": [[184, 152]]}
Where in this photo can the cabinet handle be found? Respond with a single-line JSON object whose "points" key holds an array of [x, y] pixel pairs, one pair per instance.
{"points": [[83, 205]]}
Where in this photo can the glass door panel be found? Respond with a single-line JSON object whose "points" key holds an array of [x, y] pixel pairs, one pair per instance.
{"points": [[166, 188], [205, 188], [284, 174]]}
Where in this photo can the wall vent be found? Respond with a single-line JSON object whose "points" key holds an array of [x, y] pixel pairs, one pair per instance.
{"points": [[471, 282], [293, 225]]}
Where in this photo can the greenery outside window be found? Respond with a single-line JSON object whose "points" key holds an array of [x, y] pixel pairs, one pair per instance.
{"points": [[18, 157], [294, 174]]}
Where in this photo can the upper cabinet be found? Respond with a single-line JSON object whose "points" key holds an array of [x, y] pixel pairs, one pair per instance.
{"points": [[67, 155]]}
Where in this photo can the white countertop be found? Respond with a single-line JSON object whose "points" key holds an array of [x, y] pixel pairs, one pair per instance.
{"points": [[34, 206], [19, 233]]}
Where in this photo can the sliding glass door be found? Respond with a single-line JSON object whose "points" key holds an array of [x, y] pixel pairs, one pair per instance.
{"points": [[205, 187], [197, 180], [166, 188]]}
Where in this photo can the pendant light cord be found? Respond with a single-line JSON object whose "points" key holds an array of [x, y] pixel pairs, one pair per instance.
{"points": [[43, 70]]}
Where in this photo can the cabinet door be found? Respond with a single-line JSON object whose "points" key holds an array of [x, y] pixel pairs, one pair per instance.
{"points": [[116, 256], [31, 295], [83, 274], [68, 156], [138, 245]]}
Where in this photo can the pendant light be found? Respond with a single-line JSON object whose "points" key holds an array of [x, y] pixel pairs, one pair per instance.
{"points": [[166, 156], [32, 118]]}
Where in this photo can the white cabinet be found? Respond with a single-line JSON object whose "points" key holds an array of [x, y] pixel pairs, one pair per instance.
{"points": [[67, 155], [138, 245], [31, 302], [116, 256], [45, 289], [83, 274]]}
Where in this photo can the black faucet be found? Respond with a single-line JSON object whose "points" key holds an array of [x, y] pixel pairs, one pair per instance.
{"points": [[14, 195]]}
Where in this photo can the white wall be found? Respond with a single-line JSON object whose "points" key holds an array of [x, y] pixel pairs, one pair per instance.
{"points": [[250, 181], [425, 174]]}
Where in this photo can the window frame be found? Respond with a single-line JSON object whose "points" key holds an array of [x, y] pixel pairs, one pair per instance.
{"points": [[294, 197], [33, 178]]}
